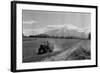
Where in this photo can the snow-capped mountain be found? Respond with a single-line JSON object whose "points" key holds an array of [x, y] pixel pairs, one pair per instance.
{"points": [[65, 30]]}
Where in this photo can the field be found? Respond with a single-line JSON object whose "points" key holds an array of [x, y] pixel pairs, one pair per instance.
{"points": [[64, 49]]}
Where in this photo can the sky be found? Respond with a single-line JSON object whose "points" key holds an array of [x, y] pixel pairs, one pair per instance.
{"points": [[36, 20]]}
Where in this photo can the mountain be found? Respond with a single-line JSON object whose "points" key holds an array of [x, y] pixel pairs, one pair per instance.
{"points": [[67, 31], [64, 30]]}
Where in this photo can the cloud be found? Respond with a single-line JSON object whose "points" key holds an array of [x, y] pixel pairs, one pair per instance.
{"points": [[29, 22], [34, 31], [68, 26]]}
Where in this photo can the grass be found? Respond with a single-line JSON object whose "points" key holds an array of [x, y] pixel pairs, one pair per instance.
{"points": [[31, 45]]}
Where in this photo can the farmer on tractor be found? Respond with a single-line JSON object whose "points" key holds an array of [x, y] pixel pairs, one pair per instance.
{"points": [[45, 48]]}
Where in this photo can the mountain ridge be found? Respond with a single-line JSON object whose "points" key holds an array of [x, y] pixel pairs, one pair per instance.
{"points": [[64, 30]]}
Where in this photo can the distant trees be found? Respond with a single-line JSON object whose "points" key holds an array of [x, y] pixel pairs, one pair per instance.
{"points": [[40, 35], [64, 37]]}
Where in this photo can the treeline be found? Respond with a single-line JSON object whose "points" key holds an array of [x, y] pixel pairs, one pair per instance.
{"points": [[68, 37], [64, 37]]}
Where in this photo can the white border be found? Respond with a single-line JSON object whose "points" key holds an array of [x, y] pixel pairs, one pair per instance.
{"points": [[37, 65]]}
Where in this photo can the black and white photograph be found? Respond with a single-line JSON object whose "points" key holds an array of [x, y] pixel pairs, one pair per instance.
{"points": [[55, 36], [47, 36]]}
